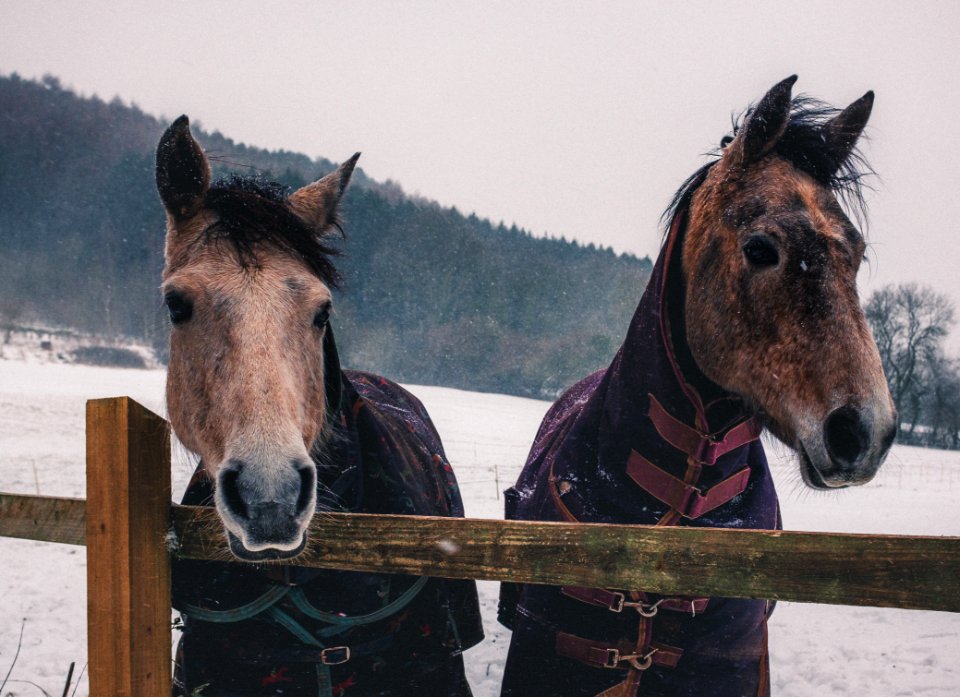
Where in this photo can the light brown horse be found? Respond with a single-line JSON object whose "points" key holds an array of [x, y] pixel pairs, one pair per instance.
{"points": [[255, 388], [750, 320], [250, 305]]}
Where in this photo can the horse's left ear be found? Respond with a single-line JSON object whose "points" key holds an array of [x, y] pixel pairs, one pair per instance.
{"points": [[842, 131], [317, 203], [763, 126]]}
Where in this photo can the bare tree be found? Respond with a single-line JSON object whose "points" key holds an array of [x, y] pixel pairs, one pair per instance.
{"points": [[942, 403], [909, 323]]}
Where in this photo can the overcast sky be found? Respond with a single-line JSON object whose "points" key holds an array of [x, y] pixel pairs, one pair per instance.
{"points": [[576, 119]]}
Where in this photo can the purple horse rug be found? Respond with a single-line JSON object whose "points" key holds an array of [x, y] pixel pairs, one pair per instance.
{"points": [[650, 440], [284, 630]]}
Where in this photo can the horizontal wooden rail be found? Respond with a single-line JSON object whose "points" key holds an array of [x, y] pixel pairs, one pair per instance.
{"points": [[845, 569], [43, 518]]}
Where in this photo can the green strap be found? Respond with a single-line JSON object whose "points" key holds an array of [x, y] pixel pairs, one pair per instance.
{"points": [[266, 604], [300, 601], [273, 595], [324, 677], [292, 626], [324, 681], [245, 612]]}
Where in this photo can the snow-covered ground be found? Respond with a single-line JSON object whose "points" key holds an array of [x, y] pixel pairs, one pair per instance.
{"points": [[816, 649]]}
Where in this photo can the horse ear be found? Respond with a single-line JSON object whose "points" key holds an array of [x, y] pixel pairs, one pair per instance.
{"points": [[183, 173], [764, 125], [842, 131], [317, 203]]}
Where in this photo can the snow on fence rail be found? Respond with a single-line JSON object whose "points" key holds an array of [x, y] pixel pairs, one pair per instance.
{"points": [[127, 518]]}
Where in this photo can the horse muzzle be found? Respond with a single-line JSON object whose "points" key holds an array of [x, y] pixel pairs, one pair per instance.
{"points": [[266, 509], [848, 448]]}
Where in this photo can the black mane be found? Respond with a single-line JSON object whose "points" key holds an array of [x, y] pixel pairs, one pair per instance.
{"points": [[802, 146], [252, 211]]}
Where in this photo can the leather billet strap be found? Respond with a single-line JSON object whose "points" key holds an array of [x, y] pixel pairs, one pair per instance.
{"points": [[616, 601], [621, 656], [700, 446], [685, 498]]}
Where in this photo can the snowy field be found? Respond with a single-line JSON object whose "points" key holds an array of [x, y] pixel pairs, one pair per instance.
{"points": [[816, 649]]}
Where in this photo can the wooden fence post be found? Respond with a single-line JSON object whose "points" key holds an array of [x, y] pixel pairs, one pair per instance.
{"points": [[128, 564]]}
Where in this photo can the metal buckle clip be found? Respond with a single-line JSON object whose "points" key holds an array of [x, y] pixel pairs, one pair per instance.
{"points": [[335, 655], [618, 602], [640, 662], [645, 610], [636, 660]]}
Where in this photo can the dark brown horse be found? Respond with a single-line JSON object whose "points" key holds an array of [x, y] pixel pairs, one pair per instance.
{"points": [[255, 388], [751, 319]]}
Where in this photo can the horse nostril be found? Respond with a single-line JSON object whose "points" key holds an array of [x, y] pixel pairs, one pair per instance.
{"points": [[230, 490], [846, 435], [308, 485]]}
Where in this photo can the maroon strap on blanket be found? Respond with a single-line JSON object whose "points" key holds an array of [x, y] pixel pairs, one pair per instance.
{"points": [[687, 499], [616, 656], [698, 445], [615, 601]]}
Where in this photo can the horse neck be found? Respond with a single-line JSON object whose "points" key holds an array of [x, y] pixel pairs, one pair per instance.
{"points": [[655, 359]]}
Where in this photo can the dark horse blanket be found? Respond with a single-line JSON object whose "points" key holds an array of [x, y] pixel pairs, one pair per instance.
{"points": [[649, 440], [284, 630]]}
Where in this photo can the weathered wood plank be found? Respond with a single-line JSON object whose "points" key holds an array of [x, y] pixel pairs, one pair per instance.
{"points": [[128, 565], [45, 519], [844, 569], [885, 571]]}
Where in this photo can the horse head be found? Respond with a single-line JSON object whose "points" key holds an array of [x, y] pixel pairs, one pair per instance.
{"points": [[770, 262], [253, 380]]}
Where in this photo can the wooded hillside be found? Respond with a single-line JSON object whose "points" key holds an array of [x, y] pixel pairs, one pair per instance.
{"points": [[429, 295]]}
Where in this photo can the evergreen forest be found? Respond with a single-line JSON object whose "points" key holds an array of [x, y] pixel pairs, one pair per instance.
{"points": [[430, 295]]}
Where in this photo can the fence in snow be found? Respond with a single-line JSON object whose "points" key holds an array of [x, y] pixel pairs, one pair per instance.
{"points": [[126, 520]]}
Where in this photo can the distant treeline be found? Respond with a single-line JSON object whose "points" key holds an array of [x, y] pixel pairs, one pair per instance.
{"points": [[429, 295]]}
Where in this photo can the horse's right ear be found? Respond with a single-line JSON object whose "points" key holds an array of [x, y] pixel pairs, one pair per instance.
{"points": [[764, 125], [183, 173]]}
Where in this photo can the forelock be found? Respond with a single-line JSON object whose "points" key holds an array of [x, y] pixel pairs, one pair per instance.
{"points": [[253, 213]]}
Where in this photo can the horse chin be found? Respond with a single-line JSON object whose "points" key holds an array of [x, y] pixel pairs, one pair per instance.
{"points": [[811, 475], [269, 554]]}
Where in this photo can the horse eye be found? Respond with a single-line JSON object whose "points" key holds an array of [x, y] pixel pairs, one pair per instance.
{"points": [[760, 251], [322, 317], [179, 307]]}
